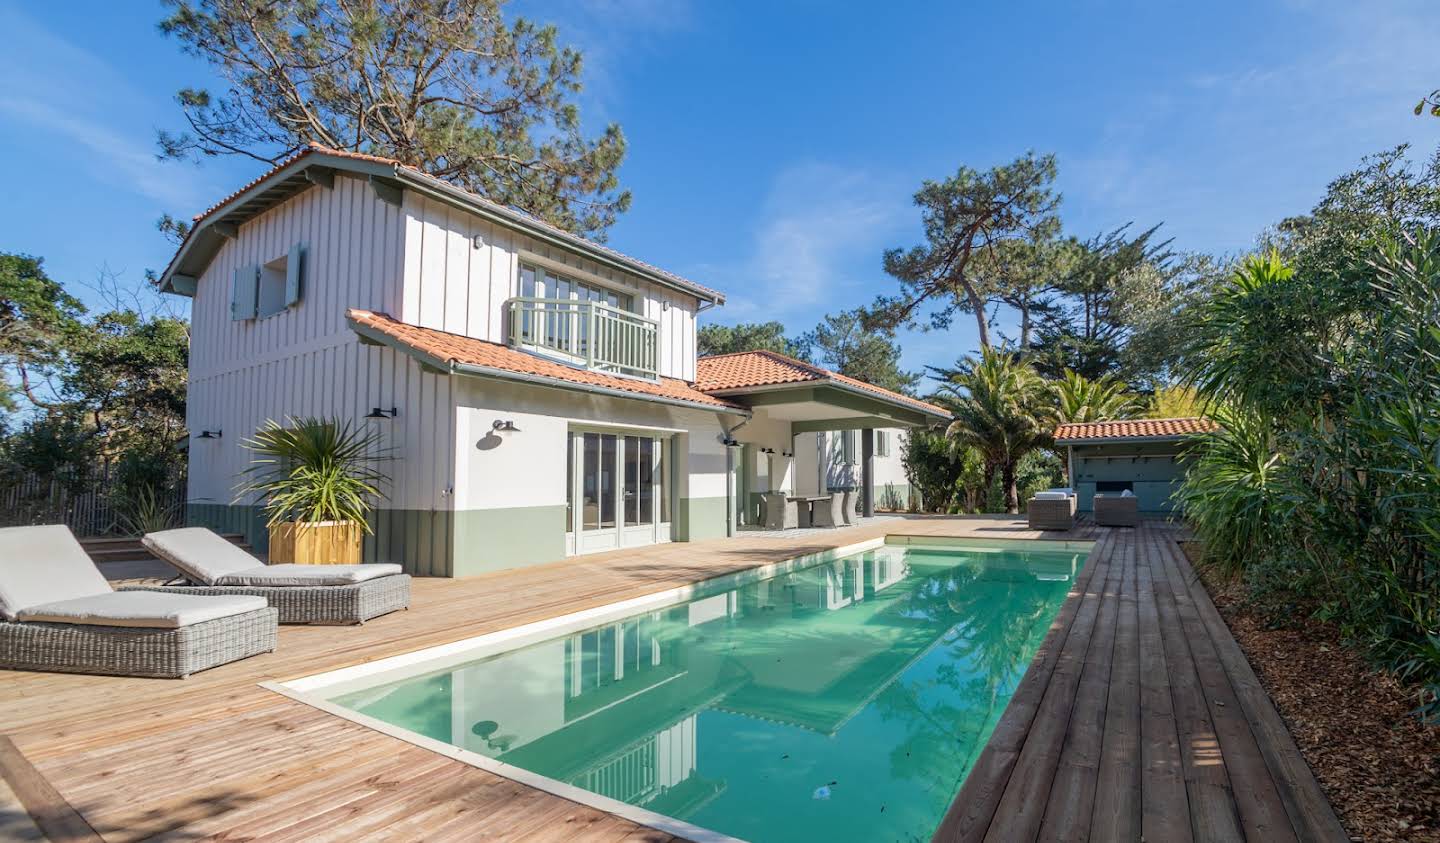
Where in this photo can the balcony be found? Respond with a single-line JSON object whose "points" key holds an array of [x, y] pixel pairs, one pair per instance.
{"points": [[590, 334]]}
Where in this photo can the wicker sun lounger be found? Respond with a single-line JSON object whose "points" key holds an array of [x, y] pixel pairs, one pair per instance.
{"points": [[58, 613], [314, 594]]}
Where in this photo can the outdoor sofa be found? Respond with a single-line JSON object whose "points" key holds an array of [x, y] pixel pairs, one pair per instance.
{"points": [[1117, 510], [1051, 510], [58, 613], [313, 594]]}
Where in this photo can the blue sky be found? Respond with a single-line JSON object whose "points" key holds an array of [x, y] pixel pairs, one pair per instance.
{"points": [[774, 146]]}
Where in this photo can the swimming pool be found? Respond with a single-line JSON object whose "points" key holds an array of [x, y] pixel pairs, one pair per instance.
{"points": [[842, 697]]}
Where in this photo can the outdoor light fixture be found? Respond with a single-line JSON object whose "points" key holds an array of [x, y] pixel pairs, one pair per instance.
{"points": [[786, 454], [478, 241], [504, 427], [381, 413], [767, 450], [730, 443], [209, 434]]}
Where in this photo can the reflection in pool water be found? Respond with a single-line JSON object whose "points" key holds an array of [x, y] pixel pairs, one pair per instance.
{"points": [[842, 701]]}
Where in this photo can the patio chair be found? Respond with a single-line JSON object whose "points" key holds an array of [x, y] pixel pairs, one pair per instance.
{"points": [[58, 613], [1117, 511], [1053, 510], [780, 514], [830, 512], [317, 594]]}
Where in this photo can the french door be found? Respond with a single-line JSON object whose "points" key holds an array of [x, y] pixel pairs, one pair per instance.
{"points": [[617, 490]]}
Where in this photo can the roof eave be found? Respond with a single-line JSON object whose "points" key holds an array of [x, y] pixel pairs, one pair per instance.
{"points": [[1128, 440], [449, 366], [831, 382]]}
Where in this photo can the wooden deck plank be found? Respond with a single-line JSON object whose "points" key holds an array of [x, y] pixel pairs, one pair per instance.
{"points": [[973, 808], [1116, 813], [1262, 814], [1117, 730], [48, 810]]}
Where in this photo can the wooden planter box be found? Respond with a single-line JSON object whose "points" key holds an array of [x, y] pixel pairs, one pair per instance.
{"points": [[316, 542]]}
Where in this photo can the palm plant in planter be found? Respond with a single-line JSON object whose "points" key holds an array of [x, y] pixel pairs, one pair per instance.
{"points": [[316, 480]]}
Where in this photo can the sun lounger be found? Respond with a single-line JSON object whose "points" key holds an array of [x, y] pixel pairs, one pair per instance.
{"points": [[58, 613], [318, 594]]}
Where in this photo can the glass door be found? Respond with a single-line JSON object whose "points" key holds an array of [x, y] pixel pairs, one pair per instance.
{"points": [[619, 483]]}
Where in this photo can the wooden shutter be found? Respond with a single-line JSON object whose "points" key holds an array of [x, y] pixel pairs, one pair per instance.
{"points": [[294, 274], [243, 292]]}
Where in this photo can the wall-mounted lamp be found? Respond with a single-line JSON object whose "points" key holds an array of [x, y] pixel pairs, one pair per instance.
{"points": [[382, 413], [786, 454], [767, 450], [478, 241], [209, 434], [730, 443], [502, 426]]}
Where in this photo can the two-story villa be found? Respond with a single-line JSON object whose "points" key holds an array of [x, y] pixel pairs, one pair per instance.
{"points": [[539, 394]]}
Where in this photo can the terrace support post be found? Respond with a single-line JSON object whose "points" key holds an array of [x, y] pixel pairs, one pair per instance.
{"points": [[867, 471]]}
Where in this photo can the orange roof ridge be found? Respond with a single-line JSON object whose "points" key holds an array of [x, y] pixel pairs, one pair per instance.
{"points": [[739, 370], [1134, 429]]}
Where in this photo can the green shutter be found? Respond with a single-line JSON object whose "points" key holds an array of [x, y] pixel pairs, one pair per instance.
{"points": [[294, 274], [243, 292]]}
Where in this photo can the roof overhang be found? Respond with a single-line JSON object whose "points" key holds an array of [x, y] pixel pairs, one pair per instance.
{"points": [[1129, 440], [821, 405], [441, 366], [389, 180]]}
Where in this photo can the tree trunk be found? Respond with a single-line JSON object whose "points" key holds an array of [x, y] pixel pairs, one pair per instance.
{"points": [[1012, 493], [977, 304], [1024, 323]]}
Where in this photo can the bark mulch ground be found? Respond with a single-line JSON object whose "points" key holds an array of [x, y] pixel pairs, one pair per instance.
{"points": [[1379, 765]]}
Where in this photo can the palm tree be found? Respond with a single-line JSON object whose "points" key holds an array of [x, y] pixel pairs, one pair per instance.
{"points": [[1003, 409], [1079, 399]]}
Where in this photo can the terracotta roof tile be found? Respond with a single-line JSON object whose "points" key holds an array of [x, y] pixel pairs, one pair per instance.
{"points": [[454, 348], [1135, 429], [314, 149], [746, 369]]}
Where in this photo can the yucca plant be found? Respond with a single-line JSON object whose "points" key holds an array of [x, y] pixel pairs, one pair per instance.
{"points": [[1230, 493], [148, 513], [313, 470]]}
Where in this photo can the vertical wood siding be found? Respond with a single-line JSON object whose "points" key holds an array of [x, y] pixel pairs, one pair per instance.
{"points": [[452, 286], [305, 360]]}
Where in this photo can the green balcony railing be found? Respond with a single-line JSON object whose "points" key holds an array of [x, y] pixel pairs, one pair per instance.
{"points": [[592, 334]]}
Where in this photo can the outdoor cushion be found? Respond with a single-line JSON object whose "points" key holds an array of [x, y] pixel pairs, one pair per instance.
{"points": [[302, 575], [199, 553], [151, 609], [44, 564], [1051, 496]]}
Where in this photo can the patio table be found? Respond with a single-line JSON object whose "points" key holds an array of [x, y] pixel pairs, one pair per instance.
{"points": [[806, 505]]}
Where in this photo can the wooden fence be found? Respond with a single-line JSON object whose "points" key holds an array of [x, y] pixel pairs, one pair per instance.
{"points": [[94, 510]]}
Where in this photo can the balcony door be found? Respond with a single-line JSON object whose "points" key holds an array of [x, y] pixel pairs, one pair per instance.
{"points": [[617, 491]]}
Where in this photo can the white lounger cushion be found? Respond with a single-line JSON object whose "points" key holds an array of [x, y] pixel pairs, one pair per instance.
{"points": [[199, 553], [150, 609], [42, 565], [305, 575], [1051, 496]]}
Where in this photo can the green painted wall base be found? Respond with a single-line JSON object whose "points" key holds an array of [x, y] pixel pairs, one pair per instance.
{"points": [[495, 539], [701, 518], [460, 544]]}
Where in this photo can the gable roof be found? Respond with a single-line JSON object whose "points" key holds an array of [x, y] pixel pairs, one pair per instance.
{"points": [[313, 163], [1132, 430], [743, 371], [466, 355]]}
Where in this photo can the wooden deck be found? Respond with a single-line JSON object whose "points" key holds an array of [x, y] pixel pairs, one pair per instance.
{"points": [[1139, 716]]}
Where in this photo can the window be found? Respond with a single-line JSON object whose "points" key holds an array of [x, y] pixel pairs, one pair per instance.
{"points": [[261, 291], [544, 284], [849, 446], [882, 443]]}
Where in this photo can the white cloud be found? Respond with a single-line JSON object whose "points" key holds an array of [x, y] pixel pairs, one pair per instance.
{"points": [[815, 246], [63, 90]]}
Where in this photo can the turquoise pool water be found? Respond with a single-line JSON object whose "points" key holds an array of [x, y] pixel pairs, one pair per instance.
{"points": [[841, 701]]}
